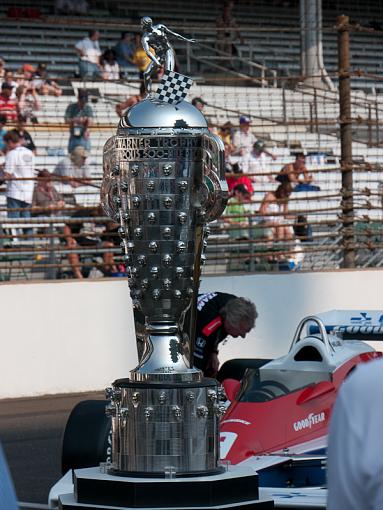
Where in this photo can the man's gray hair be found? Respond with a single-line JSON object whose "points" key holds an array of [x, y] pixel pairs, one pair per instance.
{"points": [[239, 310]]}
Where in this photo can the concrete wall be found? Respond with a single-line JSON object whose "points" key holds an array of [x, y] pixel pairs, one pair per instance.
{"points": [[73, 336]]}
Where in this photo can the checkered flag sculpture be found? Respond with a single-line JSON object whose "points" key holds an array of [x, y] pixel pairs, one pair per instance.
{"points": [[173, 87]]}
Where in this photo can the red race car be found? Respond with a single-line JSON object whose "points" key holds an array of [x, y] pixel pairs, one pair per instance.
{"points": [[278, 418]]}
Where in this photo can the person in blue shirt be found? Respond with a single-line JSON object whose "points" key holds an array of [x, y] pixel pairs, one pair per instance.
{"points": [[124, 50], [79, 116]]}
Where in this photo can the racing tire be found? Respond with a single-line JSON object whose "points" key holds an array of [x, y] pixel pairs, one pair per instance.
{"points": [[86, 440], [235, 368]]}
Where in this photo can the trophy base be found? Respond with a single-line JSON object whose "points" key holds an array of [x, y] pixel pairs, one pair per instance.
{"points": [[165, 427], [236, 488]]}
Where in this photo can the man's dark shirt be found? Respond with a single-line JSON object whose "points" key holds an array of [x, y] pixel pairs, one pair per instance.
{"points": [[210, 330]]}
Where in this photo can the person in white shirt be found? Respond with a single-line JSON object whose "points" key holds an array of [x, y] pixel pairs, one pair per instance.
{"points": [[75, 168], [355, 460], [110, 67], [89, 52], [74, 171], [256, 162], [243, 138], [19, 170]]}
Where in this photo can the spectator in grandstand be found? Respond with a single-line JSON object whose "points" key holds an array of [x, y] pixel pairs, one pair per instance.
{"points": [[295, 257], [225, 132], [273, 212], [296, 173], [25, 137], [302, 230], [199, 103], [8, 107], [140, 58], [89, 52], [2, 69], [3, 130], [9, 78], [233, 175], [227, 30], [28, 102], [230, 162], [19, 172], [45, 195], [43, 84], [25, 74], [81, 7], [235, 213], [71, 7], [130, 101], [124, 50], [79, 116], [256, 162], [76, 238], [110, 67], [74, 170], [243, 138]]}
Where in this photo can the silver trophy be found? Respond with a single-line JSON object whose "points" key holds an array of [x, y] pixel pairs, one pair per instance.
{"points": [[163, 183]]}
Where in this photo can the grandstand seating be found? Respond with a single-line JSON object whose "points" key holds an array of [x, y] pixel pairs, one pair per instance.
{"points": [[287, 120], [267, 43]]}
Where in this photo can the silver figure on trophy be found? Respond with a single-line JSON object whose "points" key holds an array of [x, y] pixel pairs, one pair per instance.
{"points": [[155, 36]]}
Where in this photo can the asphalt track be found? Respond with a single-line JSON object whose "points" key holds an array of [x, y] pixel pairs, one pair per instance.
{"points": [[31, 431]]}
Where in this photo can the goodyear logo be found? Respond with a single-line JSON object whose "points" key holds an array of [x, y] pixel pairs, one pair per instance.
{"points": [[307, 423]]}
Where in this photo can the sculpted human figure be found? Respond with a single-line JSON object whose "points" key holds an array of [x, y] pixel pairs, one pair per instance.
{"points": [[155, 36]]}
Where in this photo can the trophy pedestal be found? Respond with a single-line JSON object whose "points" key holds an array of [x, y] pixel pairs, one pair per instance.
{"points": [[236, 488], [159, 427]]}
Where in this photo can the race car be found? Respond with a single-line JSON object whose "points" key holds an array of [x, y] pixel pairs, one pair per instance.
{"points": [[279, 414], [278, 417]]}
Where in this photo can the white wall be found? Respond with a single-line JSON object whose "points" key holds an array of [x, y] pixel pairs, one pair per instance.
{"points": [[64, 337], [73, 336]]}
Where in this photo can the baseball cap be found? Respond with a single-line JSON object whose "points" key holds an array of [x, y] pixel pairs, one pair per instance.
{"points": [[198, 100], [243, 119], [28, 68], [6, 85], [241, 188], [258, 146]]}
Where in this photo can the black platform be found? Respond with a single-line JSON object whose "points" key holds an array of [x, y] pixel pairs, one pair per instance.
{"points": [[236, 488]]}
